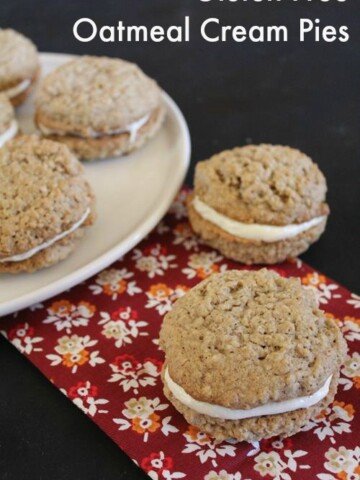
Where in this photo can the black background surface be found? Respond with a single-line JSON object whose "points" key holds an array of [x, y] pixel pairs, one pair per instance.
{"points": [[304, 95]]}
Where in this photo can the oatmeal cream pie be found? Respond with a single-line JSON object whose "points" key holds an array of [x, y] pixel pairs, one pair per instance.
{"points": [[19, 65], [249, 355], [8, 123], [259, 204], [45, 204], [100, 107]]}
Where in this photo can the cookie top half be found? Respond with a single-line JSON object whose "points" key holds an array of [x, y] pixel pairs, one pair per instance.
{"points": [[42, 193], [241, 339], [264, 184], [95, 94], [18, 58]]}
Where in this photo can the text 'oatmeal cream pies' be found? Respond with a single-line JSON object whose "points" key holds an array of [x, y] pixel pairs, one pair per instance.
{"points": [[259, 204], [45, 204], [19, 65], [100, 107], [248, 355], [8, 123]]}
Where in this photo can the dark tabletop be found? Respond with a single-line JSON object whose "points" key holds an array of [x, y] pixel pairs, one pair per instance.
{"points": [[301, 94]]}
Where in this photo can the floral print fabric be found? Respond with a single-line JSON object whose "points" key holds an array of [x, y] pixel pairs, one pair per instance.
{"points": [[98, 343]]}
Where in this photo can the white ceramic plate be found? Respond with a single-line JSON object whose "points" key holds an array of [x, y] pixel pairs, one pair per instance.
{"points": [[133, 193]]}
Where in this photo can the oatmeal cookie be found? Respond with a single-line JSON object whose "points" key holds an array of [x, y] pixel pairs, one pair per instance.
{"points": [[99, 107], [259, 204], [246, 352], [46, 204]]}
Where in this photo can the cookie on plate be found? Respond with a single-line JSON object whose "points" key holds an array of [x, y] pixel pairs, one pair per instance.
{"points": [[100, 107], [249, 356], [45, 204], [19, 65], [8, 123], [259, 204]]}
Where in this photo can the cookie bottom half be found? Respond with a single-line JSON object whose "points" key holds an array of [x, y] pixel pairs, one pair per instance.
{"points": [[252, 251], [51, 255], [258, 428]]}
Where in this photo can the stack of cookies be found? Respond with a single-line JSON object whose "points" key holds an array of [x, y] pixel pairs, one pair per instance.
{"points": [[89, 108]]}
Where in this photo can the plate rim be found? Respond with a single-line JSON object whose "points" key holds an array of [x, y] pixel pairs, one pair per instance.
{"points": [[128, 243]]}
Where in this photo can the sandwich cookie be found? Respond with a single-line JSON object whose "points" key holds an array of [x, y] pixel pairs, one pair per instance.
{"points": [[259, 204], [46, 204], [8, 123], [19, 65], [100, 107], [249, 355]]}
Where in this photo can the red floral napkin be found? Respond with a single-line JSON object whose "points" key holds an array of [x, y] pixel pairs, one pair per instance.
{"points": [[98, 343]]}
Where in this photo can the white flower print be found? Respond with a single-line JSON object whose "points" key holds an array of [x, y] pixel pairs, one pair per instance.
{"points": [[74, 352], [115, 282], [351, 328], [90, 407], [333, 420], [158, 466], [85, 396], [22, 336], [343, 462], [351, 366], [178, 207], [206, 448], [185, 236], [117, 330], [130, 374], [203, 264], [354, 300], [71, 344], [141, 416], [141, 407], [161, 296], [351, 369], [271, 464], [66, 315], [318, 283], [122, 326], [268, 464], [324, 292], [153, 260], [222, 475]]}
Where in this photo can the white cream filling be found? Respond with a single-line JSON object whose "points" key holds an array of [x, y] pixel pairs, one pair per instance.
{"points": [[19, 88], [24, 256], [132, 129], [273, 408], [9, 134], [253, 231]]}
